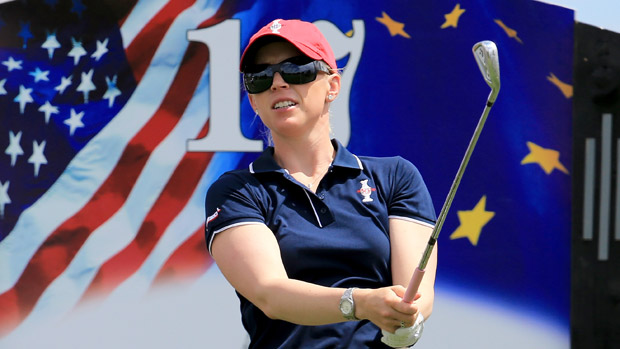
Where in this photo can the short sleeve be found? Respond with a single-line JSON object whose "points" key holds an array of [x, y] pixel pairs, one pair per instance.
{"points": [[231, 201], [410, 197]]}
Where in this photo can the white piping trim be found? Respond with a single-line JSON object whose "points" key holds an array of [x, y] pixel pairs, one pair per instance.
{"points": [[228, 227], [313, 209], [413, 221], [359, 162]]}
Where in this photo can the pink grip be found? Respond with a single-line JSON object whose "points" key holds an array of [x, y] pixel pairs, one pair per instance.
{"points": [[414, 284]]}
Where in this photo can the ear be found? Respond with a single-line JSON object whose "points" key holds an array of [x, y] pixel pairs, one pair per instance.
{"points": [[334, 87]]}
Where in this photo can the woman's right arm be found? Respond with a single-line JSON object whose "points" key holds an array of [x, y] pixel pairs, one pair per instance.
{"points": [[249, 257]]}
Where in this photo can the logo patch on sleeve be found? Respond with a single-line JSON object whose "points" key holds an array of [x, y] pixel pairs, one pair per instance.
{"points": [[213, 216]]}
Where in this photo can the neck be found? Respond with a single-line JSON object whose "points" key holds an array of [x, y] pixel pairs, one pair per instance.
{"points": [[310, 157]]}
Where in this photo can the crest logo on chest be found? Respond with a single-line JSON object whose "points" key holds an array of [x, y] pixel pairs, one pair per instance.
{"points": [[366, 191]]}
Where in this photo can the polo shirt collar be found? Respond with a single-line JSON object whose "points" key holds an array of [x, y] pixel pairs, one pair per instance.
{"points": [[344, 158]]}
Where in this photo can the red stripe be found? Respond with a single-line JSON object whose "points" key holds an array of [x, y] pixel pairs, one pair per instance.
{"points": [[142, 49], [171, 201], [60, 247], [189, 261]]}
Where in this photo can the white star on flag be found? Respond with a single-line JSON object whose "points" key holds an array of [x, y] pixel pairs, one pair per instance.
{"points": [[4, 196], [2, 90], [77, 51], [23, 97], [14, 149], [48, 109], [50, 44], [102, 49], [37, 158], [39, 75], [86, 84], [64, 83], [112, 92], [12, 64], [74, 121]]}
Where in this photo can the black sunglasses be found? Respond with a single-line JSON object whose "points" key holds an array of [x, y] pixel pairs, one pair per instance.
{"points": [[296, 70]]}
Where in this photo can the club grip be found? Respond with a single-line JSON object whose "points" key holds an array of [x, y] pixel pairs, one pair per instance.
{"points": [[414, 284]]}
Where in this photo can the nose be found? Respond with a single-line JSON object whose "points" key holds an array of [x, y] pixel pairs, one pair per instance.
{"points": [[278, 82]]}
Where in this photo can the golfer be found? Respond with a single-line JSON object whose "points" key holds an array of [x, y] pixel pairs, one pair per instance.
{"points": [[318, 243]]}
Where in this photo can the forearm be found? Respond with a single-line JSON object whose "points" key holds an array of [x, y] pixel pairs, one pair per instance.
{"points": [[408, 242], [299, 302], [249, 257], [427, 286]]}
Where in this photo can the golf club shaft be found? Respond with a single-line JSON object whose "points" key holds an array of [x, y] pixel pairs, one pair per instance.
{"points": [[416, 279]]}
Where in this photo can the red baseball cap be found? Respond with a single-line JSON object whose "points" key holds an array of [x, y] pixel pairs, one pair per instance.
{"points": [[304, 35]]}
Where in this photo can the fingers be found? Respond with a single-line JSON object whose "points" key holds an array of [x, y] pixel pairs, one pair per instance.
{"points": [[405, 308], [394, 325], [402, 320], [402, 315], [399, 290], [386, 308], [406, 313]]}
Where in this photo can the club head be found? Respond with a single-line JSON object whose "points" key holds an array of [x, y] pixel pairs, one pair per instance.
{"points": [[486, 56]]}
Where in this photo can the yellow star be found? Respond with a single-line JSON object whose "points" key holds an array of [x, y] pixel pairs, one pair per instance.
{"points": [[472, 222], [548, 159], [509, 31], [452, 18], [395, 28], [566, 89]]}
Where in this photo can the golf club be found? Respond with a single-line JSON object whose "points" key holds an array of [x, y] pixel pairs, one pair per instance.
{"points": [[485, 53]]}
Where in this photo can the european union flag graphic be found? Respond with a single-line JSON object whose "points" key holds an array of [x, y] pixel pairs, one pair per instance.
{"points": [[116, 117]]}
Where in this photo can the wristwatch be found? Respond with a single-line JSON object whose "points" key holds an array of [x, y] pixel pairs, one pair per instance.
{"points": [[347, 305]]}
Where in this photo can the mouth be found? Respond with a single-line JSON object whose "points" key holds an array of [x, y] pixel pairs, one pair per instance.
{"points": [[283, 104]]}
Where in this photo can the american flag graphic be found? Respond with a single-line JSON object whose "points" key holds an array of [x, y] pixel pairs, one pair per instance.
{"points": [[102, 187], [97, 189]]}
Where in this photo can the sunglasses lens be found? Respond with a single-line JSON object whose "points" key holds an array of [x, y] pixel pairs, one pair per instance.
{"points": [[298, 74], [257, 82], [260, 78]]}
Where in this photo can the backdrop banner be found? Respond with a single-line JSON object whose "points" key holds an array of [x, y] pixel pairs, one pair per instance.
{"points": [[116, 116]]}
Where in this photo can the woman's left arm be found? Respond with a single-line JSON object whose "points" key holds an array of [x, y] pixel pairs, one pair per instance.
{"points": [[408, 240]]}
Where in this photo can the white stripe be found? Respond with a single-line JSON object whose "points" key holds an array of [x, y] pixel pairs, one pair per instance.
{"points": [[251, 167], [605, 188], [313, 209], [92, 165], [588, 188], [181, 228], [413, 220], [120, 230], [228, 227], [359, 162], [140, 15]]}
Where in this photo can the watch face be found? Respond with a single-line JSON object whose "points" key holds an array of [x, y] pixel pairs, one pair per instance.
{"points": [[346, 307]]}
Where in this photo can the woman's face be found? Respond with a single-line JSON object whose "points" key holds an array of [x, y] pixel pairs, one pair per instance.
{"points": [[290, 110]]}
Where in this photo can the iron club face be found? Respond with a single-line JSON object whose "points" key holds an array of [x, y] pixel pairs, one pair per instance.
{"points": [[486, 56]]}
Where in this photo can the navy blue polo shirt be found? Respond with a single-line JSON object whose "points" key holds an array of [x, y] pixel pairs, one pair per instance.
{"points": [[336, 237]]}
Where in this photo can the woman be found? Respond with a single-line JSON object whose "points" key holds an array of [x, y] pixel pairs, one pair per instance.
{"points": [[318, 243]]}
